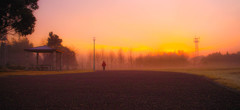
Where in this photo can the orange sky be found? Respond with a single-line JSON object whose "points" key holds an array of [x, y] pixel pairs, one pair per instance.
{"points": [[144, 26]]}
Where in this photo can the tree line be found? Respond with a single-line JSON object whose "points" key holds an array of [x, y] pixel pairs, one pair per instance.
{"points": [[220, 59], [126, 59]]}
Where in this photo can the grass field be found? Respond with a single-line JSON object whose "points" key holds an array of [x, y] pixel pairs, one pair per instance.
{"points": [[40, 72], [229, 77]]}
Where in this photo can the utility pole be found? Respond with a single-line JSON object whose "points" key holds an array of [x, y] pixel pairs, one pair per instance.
{"points": [[196, 41], [94, 53]]}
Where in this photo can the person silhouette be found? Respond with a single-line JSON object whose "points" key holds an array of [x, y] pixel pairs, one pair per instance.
{"points": [[103, 65]]}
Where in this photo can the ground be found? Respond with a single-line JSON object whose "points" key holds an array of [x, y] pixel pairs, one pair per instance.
{"points": [[124, 90]]}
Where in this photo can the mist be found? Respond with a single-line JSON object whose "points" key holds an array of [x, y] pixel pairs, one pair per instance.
{"points": [[130, 60]]}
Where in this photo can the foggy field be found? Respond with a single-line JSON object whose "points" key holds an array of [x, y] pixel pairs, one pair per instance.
{"points": [[115, 90], [119, 54]]}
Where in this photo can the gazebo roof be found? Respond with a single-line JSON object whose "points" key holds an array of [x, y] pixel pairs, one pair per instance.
{"points": [[42, 49]]}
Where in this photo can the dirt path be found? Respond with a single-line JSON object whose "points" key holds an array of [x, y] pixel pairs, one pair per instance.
{"points": [[123, 90]]}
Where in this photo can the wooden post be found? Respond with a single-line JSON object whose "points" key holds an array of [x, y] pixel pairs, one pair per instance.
{"points": [[37, 58], [54, 61], [60, 61]]}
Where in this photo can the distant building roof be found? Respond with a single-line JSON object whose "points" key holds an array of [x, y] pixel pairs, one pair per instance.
{"points": [[42, 49]]}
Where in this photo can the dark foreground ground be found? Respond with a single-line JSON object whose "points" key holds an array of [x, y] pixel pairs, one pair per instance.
{"points": [[124, 90]]}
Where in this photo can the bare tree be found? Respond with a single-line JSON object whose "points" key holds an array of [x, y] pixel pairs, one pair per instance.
{"points": [[16, 54], [81, 61], [111, 58], [130, 57], [102, 54], [97, 58], [90, 59], [120, 56]]}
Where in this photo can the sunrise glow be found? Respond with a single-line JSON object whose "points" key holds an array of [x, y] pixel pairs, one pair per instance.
{"points": [[155, 25]]}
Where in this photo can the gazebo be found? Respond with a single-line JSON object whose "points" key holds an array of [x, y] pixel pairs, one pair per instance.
{"points": [[46, 49]]}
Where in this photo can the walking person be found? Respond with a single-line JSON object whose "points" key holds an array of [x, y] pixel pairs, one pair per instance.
{"points": [[103, 65]]}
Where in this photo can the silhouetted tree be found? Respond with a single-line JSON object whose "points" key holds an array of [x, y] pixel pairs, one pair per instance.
{"points": [[222, 59], [54, 41], [17, 16], [69, 60]]}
